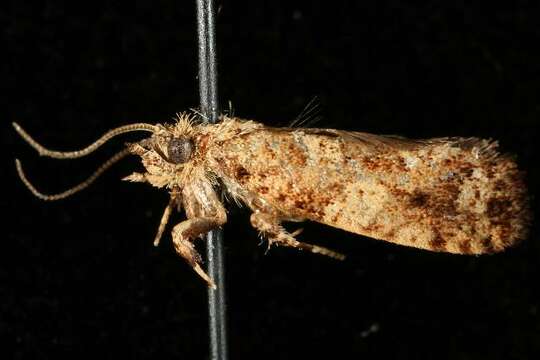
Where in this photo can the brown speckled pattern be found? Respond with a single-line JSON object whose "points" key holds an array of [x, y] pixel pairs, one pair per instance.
{"points": [[456, 195], [453, 195]]}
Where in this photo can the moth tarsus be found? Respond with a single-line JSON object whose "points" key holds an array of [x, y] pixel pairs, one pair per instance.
{"points": [[456, 195]]}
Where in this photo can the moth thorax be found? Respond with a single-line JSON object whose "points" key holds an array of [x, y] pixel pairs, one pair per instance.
{"points": [[180, 149]]}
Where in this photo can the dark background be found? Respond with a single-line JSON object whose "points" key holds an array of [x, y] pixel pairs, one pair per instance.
{"points": [[80, 277]]}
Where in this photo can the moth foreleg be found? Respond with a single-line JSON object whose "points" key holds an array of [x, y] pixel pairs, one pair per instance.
{"points": [[186, 232], [270, 226], [164, 220], [136, 177]]}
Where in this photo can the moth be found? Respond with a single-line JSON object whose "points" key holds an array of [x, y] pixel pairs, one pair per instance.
{"points": [[455, 195]]}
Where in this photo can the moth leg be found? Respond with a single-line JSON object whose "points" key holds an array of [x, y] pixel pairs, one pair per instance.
{"points": [[164, 220], [269, 225], [183, 235], [136, 177]]}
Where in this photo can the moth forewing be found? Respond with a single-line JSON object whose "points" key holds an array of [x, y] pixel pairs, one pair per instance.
{"points": [[456, 195]]}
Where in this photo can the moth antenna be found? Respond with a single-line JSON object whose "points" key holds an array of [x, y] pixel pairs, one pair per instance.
{"points": [[83, 185], [43, 151]]}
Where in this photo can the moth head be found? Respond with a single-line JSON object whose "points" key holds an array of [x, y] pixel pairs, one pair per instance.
{"points": [[169, 153], [175, 143]]}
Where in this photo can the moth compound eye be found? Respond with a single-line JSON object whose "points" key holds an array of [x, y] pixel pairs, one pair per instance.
{"points": [[180, 150]]}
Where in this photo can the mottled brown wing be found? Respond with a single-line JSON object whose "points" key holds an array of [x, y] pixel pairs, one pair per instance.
{"points": [[461, 196], [448, 194]]}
